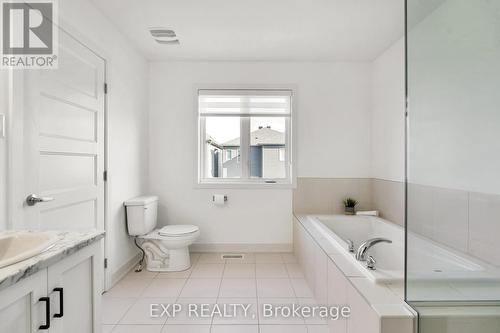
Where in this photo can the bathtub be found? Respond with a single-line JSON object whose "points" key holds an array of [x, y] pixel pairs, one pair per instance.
{"points": [[427, 260]]}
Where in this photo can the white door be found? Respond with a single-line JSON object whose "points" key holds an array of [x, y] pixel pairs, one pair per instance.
{"points": [[62, 159]]}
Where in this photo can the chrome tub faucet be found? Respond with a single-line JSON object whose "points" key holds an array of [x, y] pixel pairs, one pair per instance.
{"points": [[362, 252], [370, 263], [350, 245]]}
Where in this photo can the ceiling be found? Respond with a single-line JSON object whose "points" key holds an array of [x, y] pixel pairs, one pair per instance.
{"points": [[261, 30]]}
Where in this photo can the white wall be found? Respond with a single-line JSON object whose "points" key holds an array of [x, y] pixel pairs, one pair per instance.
{"points": [[4, 107], [333, 135], [127, 112], [388, 114]]}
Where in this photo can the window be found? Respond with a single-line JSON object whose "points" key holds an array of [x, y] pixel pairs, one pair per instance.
{"points": [[244, 136], [282, 154]]}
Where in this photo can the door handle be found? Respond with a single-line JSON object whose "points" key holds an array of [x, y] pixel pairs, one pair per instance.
{"points": [[33, 199], [61, 303], [47, 313]]}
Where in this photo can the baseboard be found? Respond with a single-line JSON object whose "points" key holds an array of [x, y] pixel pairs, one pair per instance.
{"points": [[214, 247], [124, 269]]}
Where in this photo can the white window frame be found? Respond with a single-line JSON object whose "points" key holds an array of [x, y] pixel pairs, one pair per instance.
{"points": [[246, 181]]}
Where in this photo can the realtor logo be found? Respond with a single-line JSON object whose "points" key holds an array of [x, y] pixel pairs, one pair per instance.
{"points": [[29, 34]]}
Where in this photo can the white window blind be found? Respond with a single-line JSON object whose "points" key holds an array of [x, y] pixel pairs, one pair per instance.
{"points": [[245, 103]]}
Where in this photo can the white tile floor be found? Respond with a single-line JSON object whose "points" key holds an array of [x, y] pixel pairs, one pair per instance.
{"points": [[259, 278]]}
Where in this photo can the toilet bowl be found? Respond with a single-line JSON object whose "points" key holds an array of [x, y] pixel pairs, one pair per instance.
{"points": [[165, 249]]}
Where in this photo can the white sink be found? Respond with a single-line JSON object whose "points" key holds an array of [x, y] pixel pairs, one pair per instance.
{"points": [[18, 246]]}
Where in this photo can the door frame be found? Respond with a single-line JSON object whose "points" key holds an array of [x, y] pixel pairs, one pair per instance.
{"points": [[15, 140]]}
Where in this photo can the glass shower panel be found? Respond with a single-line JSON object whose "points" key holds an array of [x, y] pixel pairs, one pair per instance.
{"points": [[453, 163]]}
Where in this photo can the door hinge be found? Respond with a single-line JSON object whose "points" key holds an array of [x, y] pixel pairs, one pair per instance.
{"points": [[105, 262], [105, 88], [105, 175]]}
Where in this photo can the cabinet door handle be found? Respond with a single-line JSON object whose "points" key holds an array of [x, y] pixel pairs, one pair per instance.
{"points": [[61, 303], [47, 313]]}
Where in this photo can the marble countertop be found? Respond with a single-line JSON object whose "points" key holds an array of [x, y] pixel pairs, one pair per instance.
{"points": [[68, 243]]}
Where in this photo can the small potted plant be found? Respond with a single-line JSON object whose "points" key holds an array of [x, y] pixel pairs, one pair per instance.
{"points": [[350, 204]]}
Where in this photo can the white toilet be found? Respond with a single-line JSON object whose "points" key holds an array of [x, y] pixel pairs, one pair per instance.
{"points": [[165, 249]]}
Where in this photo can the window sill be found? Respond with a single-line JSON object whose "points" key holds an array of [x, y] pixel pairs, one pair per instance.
{"points": [[245, 185]]}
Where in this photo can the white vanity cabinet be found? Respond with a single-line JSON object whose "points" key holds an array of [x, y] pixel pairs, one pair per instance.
{"points": [[21, 310], [71, 288]]}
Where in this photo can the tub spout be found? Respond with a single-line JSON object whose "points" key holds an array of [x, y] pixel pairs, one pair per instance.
{"points": [[362, 252]]}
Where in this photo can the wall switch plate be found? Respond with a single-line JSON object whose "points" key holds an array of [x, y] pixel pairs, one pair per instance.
{"points": [[2, 126]]}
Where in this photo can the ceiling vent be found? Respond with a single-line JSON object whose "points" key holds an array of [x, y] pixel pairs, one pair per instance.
{"points": [[164, 36]]}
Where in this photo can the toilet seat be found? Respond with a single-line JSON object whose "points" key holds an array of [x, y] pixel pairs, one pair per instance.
{"points": [[177, 230], [172, 232]]}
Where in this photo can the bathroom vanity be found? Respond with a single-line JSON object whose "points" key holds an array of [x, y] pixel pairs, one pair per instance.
{"points": [[58, 290]]}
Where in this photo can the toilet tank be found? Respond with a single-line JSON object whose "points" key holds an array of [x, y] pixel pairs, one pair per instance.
{"points": [[142, 213]]}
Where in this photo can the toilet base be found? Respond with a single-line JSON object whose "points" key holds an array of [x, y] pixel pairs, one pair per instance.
{"points": [[160, 259]]}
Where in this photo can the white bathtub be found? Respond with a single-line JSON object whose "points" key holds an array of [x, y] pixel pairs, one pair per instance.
{"points": [[427, 260]]}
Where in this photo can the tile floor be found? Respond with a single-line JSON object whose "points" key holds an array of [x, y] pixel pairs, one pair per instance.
{"points": [[271, 278]]}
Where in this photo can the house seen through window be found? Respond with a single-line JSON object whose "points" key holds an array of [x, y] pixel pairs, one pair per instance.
{"points": [[244, 136]]}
